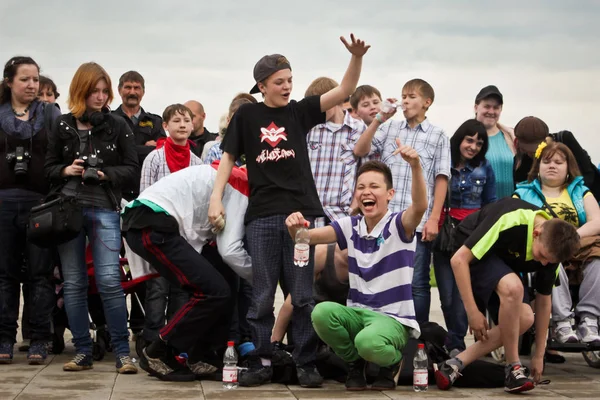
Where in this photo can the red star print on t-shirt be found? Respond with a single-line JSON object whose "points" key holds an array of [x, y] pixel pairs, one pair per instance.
{"points": [[273, 134]]}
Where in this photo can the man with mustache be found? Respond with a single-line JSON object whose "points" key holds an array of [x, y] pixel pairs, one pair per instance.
{"points": [[146, 127]]}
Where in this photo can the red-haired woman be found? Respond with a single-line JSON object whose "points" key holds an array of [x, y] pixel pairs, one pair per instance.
{"points": [[91, 155]]}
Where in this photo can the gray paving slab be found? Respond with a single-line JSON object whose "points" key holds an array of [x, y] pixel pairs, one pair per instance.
{"points": [[572, 380]]}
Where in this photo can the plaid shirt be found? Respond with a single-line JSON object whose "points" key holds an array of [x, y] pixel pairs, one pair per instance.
{"points": [[433, 147], [155, 167], [334, 165]]}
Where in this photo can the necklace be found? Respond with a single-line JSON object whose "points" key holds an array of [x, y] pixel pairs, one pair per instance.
{"points": [[23, 113]]}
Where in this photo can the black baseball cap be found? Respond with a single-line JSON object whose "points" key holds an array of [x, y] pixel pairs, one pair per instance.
{"points": [[267, 66], [489, 91]]}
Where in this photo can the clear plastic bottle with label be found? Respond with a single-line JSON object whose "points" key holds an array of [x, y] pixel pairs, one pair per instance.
{"points": [[302, 247], [420, 373], [230, 368]]}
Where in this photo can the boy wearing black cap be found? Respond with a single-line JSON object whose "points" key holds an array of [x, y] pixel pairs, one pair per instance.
{"points": [[272, 135]]}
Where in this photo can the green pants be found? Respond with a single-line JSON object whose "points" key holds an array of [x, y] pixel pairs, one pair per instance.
{"points": [[355, 333]]}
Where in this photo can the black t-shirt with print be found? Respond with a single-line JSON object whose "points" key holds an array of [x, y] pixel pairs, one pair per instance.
{"points": [[274, 142], [505, 229]]}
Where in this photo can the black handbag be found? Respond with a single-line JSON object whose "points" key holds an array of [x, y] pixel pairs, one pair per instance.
{"points": [[445, 240], [56, 221]]}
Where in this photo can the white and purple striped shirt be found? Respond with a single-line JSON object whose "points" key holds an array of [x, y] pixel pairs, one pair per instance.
{"points": [[380, 266]]}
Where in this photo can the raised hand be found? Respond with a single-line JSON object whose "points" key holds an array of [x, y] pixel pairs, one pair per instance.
{"points": [[356, 47], [407, 153]]}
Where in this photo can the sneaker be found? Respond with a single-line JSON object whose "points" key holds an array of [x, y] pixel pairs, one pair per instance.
{"points": [[517, 380], [446, 374], [588, 330], [6, 353], [256, 374], [37, 353], [308, 376], [202, 368], [167, 368], [125, 365], [564, 333], [356, 375], [79, 363], [386, 378]]}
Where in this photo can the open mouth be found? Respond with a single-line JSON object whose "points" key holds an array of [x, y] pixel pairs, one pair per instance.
{"points": [[368, 204]]}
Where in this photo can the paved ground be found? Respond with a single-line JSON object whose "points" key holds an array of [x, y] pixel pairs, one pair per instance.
{"points": [[23, 382]]}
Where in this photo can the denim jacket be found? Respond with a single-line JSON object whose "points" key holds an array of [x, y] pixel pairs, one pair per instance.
{"points": [[472, 188]]}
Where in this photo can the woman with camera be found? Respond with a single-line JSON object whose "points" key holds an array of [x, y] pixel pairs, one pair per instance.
{"points": [[91, 156], [24, 125]]}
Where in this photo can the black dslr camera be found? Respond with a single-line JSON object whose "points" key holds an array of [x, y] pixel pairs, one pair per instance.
{"points": [[91, 165], [20, 157]]}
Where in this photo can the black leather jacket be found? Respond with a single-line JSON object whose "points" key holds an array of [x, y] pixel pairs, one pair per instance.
{"points": [[113, 142]]}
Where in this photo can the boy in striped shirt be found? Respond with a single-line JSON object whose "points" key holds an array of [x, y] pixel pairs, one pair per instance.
{"points": [[379, 316]]}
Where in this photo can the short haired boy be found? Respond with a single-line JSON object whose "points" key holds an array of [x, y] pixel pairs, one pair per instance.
{"points": [[272, 135], [433, 147], [366, 103], [500, 241], [379, 316], [330, 154], [171, 155]]}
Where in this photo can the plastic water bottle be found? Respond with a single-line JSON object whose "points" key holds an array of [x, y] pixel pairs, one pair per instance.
{"points": [[420, 374], [302, 247], [387, 106], [230, 368]]}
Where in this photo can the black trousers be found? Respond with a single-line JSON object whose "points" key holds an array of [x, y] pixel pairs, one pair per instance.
{"points": [[199, 323]]}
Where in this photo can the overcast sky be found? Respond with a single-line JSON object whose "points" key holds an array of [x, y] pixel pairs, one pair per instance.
{"points": [[543, 55]]}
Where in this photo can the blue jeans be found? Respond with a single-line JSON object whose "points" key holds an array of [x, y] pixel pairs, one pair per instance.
{"points": [[14, 251], [421, 289], [452, 306], [102, 228]]}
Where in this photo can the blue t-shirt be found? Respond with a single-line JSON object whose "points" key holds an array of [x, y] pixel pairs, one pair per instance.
{"points": [[501, 157]]}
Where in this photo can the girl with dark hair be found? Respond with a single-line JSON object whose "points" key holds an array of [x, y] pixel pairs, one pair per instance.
{"points": [[472, 185], [91, 156], [24, 124]]}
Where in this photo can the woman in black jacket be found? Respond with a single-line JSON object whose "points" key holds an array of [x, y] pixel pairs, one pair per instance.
{"points": [[24, 124], [91, 155]]}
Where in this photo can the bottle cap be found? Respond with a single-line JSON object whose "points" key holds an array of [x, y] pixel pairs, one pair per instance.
{"points": [[230, 343], [421, 346]]}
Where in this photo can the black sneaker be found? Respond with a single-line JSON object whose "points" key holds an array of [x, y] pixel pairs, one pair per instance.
{"points": [[356, 375], [386, 378], [446, 374], [256, 374], [167, 368], [517, 380], [79, 363], [308, 376]]}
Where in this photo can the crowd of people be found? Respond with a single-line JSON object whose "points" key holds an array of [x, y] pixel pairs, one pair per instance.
{"points": [[212, 219]]}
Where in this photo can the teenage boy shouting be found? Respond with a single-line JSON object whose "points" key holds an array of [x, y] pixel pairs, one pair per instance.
{"points": [[272, 135]]}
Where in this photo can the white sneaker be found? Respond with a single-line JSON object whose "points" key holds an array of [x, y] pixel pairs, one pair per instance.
{"points": [[588, 330], [564, 333]]}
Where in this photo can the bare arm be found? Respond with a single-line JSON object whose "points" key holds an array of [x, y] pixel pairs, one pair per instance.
{"points": [[283, 320], [363, 145], [460, 266], [592, 213], [543, 308], [322, 235], [336, 96], [411, 218], [215, 209]]}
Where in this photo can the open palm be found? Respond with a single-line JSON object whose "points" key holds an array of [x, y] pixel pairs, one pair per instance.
{"points": [[356, 46]]}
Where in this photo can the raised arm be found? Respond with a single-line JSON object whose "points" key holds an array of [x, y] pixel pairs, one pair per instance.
{"points": [[363, 145], [336, 96], [411, 218]]}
